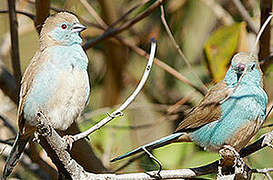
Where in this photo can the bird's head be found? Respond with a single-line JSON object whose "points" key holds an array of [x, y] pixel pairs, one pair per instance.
{"points": [[245, 66], [61, 29]]}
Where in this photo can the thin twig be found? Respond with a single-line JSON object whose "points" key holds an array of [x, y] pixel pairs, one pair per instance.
{"points": [[93, 12], [130, 161], [219, 11], [118, 112], [127, 13], [242, 10], [264, 171], [27, 14], [112, 32], [8, 125], [167, 28]]}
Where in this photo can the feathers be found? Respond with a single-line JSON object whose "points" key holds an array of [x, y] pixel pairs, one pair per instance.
{"points": [[15, 154], [203, 114], [56, 82], [153, 145]]}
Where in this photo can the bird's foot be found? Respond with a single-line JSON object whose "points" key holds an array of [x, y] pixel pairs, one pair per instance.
{"points": [[43, 128], [69, 139], [157, 175], [268, 137], [231, 158]]}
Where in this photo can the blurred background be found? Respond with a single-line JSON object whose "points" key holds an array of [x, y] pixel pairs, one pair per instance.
{"points": [[209, 33]]}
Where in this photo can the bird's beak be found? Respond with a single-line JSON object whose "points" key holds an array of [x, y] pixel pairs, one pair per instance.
{"points": [[77, 27]]}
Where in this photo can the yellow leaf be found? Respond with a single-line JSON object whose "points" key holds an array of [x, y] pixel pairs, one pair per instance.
{"points": [[221, 46]]}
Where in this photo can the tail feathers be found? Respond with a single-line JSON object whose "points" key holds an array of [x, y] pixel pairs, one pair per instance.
{"points": [[153, 145], [15, 154]]}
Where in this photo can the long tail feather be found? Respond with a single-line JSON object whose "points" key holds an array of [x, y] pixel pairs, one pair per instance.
{"points": [[153, 145], [15, 154]]}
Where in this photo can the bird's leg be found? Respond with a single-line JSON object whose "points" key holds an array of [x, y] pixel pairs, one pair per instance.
{"points": [[43, 128], [268, 137], [157, 176]]}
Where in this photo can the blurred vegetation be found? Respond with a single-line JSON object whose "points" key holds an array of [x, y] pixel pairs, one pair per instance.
{"points": [[115, 69]]}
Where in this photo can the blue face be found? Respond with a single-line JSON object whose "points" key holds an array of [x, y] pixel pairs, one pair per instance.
{"points": [[64, 35], [252, 75]]}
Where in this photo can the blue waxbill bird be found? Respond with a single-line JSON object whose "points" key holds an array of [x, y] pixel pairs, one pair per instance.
{"points": [[230, 114], [55, 83]]}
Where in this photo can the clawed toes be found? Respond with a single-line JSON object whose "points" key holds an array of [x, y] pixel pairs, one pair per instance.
{"points": [[155, 175], [69, 139], [267, 141]]}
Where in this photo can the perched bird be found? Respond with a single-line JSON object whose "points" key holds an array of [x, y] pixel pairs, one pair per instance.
{"points": [[230, 114], [56, 82]]}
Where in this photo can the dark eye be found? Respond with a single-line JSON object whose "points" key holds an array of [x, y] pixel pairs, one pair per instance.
{"points": [[64, 26], [252, 67]]}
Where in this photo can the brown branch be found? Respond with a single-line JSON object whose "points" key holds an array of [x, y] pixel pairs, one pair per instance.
{"points": [[266, 8], [8, 125], [8, 84], [125, 15], [42, 12], [14, 44], [27, 14], [112, 32]]}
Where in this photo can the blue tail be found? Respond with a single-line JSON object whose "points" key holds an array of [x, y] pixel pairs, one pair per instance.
{"points": [[153, 145], [15, 154]]}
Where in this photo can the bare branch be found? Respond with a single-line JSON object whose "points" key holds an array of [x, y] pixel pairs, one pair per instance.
{"points": [[27, 14], [42, 12], [118, 112], [265, 46], [112, 32], [205, 89], [124, 16], [219, 11], [14, 43], [8, 125], [242, 10], [8, 84]]}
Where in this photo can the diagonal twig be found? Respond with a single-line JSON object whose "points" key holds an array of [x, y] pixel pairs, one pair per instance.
{"points": [[178, 48], [112, 32], [8, 125], [242, 10]]}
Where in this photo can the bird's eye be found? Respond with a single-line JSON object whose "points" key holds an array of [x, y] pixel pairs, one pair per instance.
{"points": [[253, 66], [64, 26]]}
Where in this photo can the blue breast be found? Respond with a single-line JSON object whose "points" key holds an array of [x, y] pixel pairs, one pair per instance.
{"points": [[44, 85], [246, 104]]}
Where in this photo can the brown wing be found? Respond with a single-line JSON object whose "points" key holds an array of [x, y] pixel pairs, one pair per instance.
{"points": [[208, 109], [25, 87]]}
